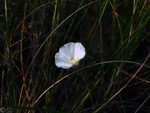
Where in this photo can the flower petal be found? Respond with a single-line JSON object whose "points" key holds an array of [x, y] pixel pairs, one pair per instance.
{"points": [[61, 61], [60, 57], [79, 52], [65, 52], [62, 64], [70, 48]]}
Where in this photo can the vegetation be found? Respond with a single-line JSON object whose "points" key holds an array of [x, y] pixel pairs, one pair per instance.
{"points": [[113, 76]]}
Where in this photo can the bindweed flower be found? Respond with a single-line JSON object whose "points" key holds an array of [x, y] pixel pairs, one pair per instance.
{"points": [[69, 55]]}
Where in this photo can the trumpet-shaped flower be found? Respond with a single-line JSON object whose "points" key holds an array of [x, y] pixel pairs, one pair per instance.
{"points": [[69, 55]]}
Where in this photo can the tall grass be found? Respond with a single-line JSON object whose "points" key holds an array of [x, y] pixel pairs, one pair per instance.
{"points": [[113, 76]]}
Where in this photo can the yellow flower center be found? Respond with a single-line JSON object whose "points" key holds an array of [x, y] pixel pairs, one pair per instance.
{"points": [[73, 61]]}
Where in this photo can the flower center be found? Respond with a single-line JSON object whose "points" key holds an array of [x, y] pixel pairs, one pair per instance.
{"points": [[73, 61]]}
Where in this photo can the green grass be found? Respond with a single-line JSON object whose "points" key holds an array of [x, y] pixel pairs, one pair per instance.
{"points": [[115, 35]]}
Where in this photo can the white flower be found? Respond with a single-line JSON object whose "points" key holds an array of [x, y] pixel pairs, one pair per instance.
{"points": [[69, 55]]}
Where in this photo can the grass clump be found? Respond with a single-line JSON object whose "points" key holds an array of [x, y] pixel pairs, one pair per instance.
{"points": [[113, 76]]}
